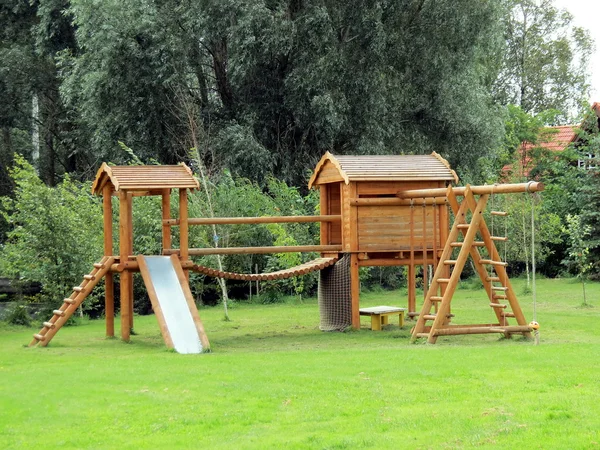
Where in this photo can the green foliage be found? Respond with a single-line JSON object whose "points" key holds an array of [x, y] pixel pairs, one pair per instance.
{"points": [[18, 315], [544, 63], [55, 233], [579, 253]]}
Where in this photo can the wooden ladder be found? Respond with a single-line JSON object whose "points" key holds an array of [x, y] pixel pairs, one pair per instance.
{"points": [[70, 305], [469, 246]]}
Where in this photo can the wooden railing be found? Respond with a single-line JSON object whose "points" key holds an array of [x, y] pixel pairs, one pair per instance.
{"points": [[253, 221]]}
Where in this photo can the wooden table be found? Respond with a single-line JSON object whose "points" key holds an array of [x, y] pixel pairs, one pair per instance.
{"points": [[380, 314]]}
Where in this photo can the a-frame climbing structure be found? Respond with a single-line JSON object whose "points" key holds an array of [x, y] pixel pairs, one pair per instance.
{"points": [[470, 224]]}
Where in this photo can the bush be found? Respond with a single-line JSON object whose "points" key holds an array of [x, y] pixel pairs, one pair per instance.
{"points": [[55, 234], [18, 315]]}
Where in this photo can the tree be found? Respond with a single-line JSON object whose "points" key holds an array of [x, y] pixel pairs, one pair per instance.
{"points": [[579, 252], [55, 234], [544, 63], [277, 83]]}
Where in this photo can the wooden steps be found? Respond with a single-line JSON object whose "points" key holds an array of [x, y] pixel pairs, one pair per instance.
{"points": [[70, 304]]}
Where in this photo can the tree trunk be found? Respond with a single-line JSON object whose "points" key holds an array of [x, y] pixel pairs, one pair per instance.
{"points": [[6, 161], [219, 54]]}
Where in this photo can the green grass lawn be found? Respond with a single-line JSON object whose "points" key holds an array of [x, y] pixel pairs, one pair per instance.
{"points": [[274, 380]]}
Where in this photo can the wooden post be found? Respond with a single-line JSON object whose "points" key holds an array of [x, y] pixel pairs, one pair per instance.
{"points": [[124, 252], [412, 296], [166, 214], [444, 233], [425, 262], [130, 250], [355, 290], [351, 212], [109, 294], [183, 229]]}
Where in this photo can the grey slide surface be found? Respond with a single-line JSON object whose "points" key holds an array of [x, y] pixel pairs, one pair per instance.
{"points": [[173, 304]]}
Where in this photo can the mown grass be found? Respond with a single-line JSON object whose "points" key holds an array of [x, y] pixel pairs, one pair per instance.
{"points": [[273, 381]]}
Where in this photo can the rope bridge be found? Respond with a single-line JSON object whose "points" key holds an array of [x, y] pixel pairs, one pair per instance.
{"points": [[302, 269]]}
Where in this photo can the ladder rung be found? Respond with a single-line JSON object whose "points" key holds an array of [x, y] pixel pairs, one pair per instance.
{"points": [[492, 262], [69, 301], [499, 238], [443, 280], [429, 316], [435, 298], [422, 335], [478, 244], [498, 305], [99, 265], [499, 297], [456, 244], [499, 288], [49, 325], [492, 279], [450, 262], [89, 277], [463, 226], [78, 289], [508, 314], [39, 337], [58, 312], [499, 213]]}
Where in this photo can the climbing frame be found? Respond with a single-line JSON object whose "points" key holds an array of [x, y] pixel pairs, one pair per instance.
{"points": [[440, 322]]}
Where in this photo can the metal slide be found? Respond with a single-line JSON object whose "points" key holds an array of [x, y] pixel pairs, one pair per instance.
{"points": [[173, 304]]}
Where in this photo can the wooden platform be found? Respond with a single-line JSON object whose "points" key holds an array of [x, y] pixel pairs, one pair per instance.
{"points": [[380, 315]]}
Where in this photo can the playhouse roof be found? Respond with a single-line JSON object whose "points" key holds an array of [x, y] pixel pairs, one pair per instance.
{"points": [[144, 178], [347, 168]]}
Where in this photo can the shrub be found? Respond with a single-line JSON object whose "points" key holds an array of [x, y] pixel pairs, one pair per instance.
{"points": [[55, 233]]}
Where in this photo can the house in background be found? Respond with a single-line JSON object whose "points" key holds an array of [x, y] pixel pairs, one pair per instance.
{"points": [[556, 139]]}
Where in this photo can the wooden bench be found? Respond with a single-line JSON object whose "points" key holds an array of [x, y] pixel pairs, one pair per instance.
{"points": [[380, 314]]}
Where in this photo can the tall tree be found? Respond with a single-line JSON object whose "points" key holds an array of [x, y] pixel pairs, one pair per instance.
{"points": [[544, 63], [280, 82]]}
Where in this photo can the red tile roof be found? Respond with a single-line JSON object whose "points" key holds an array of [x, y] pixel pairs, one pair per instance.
{"points": [[555, 140]]}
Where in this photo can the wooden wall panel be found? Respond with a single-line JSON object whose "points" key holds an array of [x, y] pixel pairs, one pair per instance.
{"points": [[388, 228], [335, 207], [374, 188]]}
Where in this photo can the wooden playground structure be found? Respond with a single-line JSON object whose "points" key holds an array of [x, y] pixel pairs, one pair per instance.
{"points": [[378, 210]]}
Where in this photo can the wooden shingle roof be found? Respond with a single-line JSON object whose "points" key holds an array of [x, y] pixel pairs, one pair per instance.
{"points": [[382, 168], [144, 178]]}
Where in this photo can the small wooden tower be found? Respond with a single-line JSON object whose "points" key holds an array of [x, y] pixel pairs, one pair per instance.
{"points": [[127, 182], [377, 227]]}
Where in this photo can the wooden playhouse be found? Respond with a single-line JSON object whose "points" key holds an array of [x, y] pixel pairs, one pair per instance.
{"points": [[377, 227]]}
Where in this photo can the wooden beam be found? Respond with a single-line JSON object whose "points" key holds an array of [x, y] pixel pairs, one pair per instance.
{"points": [[254, 220], [531, 186], [257, 250], [355, 291], [109, 288], [391, 201], [166, 215], [126, 276], [183, 229]]}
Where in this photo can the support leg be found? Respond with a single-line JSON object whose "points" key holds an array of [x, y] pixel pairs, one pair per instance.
{"points": [[109, 304], [355, 291], [376, 322], [125, 308]]}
